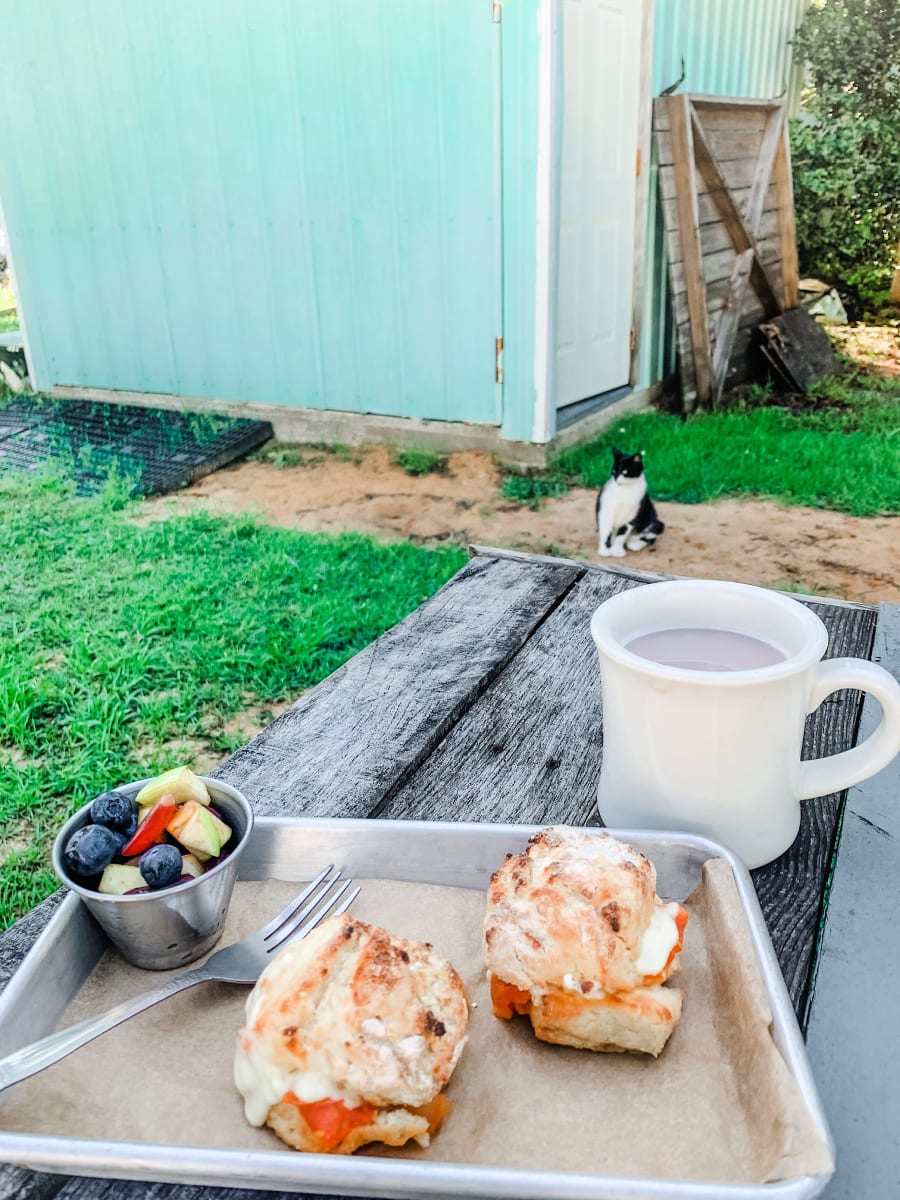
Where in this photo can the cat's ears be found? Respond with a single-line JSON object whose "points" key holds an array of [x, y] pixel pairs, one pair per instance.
{"points": [[617, 454]]}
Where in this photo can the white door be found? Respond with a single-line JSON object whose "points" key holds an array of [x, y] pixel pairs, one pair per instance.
{"points": [[601, 91]]}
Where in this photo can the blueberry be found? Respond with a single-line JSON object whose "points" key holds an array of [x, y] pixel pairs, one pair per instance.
{"points": [[115, 810], [91, 849], [161, 865]]}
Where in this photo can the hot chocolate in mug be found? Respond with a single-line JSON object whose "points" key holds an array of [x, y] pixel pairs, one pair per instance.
{"points": [[706, 689]]}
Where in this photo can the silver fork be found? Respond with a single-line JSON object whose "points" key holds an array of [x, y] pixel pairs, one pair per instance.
{"points": [[241, 962]]}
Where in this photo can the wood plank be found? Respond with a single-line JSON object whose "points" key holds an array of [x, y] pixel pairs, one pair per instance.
{"points": [[718, 264], [16, 941], [738, 175], [790, 889], [747, 267], [707, 210], [727, 145], [743, 232], [785, 186], [858, 972], [689, 233], [713, 103], [642, 189], [16, 1184], [372, 722], [714, 239], [731, 119], [716, 293], [115, 1189], [529, 749]]}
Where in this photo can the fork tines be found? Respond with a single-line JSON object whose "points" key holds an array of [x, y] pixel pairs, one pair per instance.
{"points": [[320, 899]]}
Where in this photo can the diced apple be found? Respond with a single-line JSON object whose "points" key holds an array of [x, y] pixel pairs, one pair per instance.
{"points": [[198, 830], [119, 878], [181, 783], [191, 865]]}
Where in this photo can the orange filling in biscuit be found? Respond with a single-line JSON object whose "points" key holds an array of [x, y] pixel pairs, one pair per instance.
{"points": [[331, 1120], [507, 999]]}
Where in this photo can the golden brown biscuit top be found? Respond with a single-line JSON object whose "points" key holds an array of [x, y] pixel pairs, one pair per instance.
{"points": [[572, 912], [355, 1013]]}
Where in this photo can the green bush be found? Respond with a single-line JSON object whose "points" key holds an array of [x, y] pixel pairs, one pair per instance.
{"points": [[846, 146]]}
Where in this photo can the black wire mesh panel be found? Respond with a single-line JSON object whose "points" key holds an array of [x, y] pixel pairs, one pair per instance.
{"points": [[151, 450]]}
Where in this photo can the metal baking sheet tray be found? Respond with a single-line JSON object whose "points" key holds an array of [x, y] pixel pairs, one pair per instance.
{"points": [[451, 854]]}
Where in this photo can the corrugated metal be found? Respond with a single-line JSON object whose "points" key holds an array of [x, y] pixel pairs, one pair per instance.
{"points": [[729, 48], [264, 200]]}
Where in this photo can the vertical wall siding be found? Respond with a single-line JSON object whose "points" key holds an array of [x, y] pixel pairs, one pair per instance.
{"points": [[730, 48], [279, 201]]}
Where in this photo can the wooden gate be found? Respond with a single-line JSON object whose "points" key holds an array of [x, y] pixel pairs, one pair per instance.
{"points": [[728, 205]]}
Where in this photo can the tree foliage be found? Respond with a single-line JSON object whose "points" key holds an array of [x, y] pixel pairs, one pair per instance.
{"points": [[846, 145]]}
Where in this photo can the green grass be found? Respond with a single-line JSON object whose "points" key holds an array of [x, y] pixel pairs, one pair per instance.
{"points": [[531, 489], [421, 462], [305, 454], [840, 451], [118, 637], [8, 321]]}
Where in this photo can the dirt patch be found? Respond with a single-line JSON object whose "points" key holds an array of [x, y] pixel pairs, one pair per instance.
{"points": [[876, 347], [749, 541], [203, 754]]}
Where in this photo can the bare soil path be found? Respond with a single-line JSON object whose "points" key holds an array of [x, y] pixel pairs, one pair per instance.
{"points": [[753, 541]]}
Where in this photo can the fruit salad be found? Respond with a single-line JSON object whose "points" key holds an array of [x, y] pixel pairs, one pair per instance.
{"points": [[168, 833]]}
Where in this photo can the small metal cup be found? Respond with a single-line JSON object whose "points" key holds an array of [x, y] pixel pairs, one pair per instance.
{"points": [[173, 926]]}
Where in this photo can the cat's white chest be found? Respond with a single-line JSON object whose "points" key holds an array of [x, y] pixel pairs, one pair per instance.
{"points": [[622, 498]]}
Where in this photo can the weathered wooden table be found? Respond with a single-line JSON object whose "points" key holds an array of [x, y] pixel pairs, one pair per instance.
{"points": [[484, 705]]}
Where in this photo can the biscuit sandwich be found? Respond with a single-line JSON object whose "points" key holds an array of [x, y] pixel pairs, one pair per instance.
{"points": [[351, 1034], [577, 939]]}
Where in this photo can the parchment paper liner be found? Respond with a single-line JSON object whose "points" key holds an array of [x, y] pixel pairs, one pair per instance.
{"points": [[719, 1103]]}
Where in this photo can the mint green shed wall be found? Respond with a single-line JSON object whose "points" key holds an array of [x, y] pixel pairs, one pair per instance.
{"points": [[730, 48], [284, 201]]}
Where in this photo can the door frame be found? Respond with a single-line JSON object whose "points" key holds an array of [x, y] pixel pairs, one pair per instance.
{"points": [[548, 165]]}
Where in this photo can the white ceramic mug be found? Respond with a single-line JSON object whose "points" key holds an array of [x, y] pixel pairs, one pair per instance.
{"points": [[718, 753]]}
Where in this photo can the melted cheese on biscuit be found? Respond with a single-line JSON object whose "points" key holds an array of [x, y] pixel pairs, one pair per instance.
{"points": [[658, 941]]}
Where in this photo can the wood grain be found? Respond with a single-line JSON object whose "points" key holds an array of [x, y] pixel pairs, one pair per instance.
{"points": [[718, 266], [16, 1184], [696, 381], [714, 239], [529, 749], [791, 889], [727, 145], [747, 268], [728, 120], [785, 187], [743, 232], [344, 748]]}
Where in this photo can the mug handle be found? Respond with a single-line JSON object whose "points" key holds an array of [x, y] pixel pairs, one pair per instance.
{"points": [[836, 772]]}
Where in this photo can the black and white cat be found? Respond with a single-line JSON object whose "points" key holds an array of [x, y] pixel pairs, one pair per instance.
{"points": [[626, 518]]}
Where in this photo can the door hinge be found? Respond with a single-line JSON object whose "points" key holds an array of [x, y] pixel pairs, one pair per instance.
{"points": [[498, 351], [632, 341], [497, 11], [637, 162]]}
